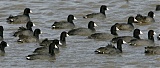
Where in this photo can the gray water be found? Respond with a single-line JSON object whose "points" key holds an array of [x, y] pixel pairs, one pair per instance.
{"points": [[79, 52]]}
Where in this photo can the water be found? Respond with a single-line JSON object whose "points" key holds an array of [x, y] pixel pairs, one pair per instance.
{"points": [[79, 52]]}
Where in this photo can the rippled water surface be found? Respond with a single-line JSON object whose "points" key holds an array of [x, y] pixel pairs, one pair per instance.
{"points": [[79, 52]]}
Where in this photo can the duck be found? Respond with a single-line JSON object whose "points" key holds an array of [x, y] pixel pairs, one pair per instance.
{"points": [[101, 14], [126, 26], [127, 39], [19, 19], [111, 49], [83, 31], [25, 31], [46, 42], [1, 33], [44, 49], [145, 19], [145, 42], [65, 24], [50, 55], [3, 44], [105, 36], [29, 39], [157, 7]]}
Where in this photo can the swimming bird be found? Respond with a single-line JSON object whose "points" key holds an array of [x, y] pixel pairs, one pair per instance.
{"points": [[145, 19], [158, 37], [98, 15], [65, 24], [152, 50], [29, 39], [63, 35], [1, 33], [50, 55], [3, 44], [44, 49], [25, 31], [111, 49], [20, 18], [126, 26], [146, 42], [157, 7], [84, 31], [105, 36], [127, 39]]}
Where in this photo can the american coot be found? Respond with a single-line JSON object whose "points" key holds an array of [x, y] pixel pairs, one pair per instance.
{"points": [[98, 15], [47, 42], [127, 39], [84, 31], [29, 39], [157, 7], [145, 19], [111, 49], [44, 49], [146, 42], [47, 56], [64, 24], [25, 31], [105, 36], [63, 38], [50, 55], [158, 37], [152, 50], [3, 44], [20, 18], [126, 26], [1, 33]]}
